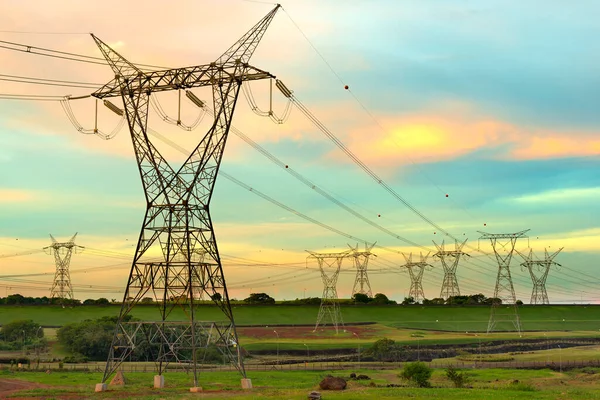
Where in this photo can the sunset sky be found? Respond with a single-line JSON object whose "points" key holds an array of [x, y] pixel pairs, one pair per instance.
{"points": [[494, 103]]}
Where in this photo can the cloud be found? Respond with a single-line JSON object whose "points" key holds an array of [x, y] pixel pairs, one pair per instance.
{"points": [[17, 196], [452, 132], [584, 240], [560, 196], [557, 145]]}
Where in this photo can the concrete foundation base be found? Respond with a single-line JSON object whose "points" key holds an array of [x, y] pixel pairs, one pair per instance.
{"points": [[101, 387], [159, 381], [246, 383], [196, 389]]}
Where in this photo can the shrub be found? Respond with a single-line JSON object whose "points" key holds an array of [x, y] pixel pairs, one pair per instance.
{"points": [[459, 379], [418, 373], [521, 386], [75, 359], [384, 350]]}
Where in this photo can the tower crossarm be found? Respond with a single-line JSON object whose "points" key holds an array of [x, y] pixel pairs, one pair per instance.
{"points": [[182, 78], [521, 234]]}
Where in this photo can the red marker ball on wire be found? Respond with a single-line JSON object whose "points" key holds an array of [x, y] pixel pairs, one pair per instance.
{"points": [[346, 87]]}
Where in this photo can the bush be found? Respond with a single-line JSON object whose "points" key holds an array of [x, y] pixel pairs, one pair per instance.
{"points": [[384, 350], [24, 331], [459, 379], [418, 373], [75, 359]]}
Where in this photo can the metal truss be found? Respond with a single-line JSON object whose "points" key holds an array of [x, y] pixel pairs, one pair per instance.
{"points": [[538, 270], [61, 287], [361, 260], [450, 260], [416, 270], [176, 257], [504, 247], [330, 264]]}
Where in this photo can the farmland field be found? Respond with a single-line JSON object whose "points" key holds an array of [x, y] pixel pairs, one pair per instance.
{"points": [[440, 318]]}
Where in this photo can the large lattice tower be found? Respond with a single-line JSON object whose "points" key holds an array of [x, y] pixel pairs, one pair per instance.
{"points": [[361, 261], [330, 265], [61, 287], [505, 310], [167, 265], [538, 270], [416, 270], [450, 260]]}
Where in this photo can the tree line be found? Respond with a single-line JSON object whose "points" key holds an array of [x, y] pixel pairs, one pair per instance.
{"points": [[265, 299]]}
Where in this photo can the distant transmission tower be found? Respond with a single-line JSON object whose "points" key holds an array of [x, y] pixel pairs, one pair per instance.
{"points": [[177, 220], [415, 270], [450, 260], [61, 287], [504, 247], [539, 294], [330, 264], [361, 260]]}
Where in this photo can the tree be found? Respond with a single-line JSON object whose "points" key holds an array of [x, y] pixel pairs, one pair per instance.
{"points": [[434, 302], [492, 301], [381, 298], [23, 331], [417, 372], [147, 300], [259, 298], [408, 301], [458, 378], [102, 302], [384, 350], [519, 302], [216, 297], [361, 298]]}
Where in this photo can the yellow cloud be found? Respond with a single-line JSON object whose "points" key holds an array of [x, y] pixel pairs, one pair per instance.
{"points": [[16, 196]]}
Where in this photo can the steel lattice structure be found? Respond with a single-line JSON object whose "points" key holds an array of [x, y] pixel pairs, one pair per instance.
{"points": [[450, 286], [61, 287], [177, 223], [329, 265], [504, 247], [361, 261], [416, 270], [539, 294]]}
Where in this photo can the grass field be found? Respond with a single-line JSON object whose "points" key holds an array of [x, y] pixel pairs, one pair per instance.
{"points": [[458, 319], [489, 384], [407, 325]]}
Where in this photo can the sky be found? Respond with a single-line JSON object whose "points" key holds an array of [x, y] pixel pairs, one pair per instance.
{"points": [[492, 103]]}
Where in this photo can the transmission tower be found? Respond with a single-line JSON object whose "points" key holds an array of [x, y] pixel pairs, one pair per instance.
{"points": [[504, 247], [539, 294], [450, 260], [61, 287], [330, 264], [177, 220], [415, 270], [361, 260]]}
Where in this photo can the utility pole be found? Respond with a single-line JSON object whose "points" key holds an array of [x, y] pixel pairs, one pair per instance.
{"points": [[415, 270], [504, 247], [450, 284], [361, 260], [330, 264], [539, 294], [61, 287], [177, 220]]}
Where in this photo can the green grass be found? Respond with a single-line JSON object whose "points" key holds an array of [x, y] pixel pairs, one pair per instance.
{"points": [[459, 319], [489, 384]]}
